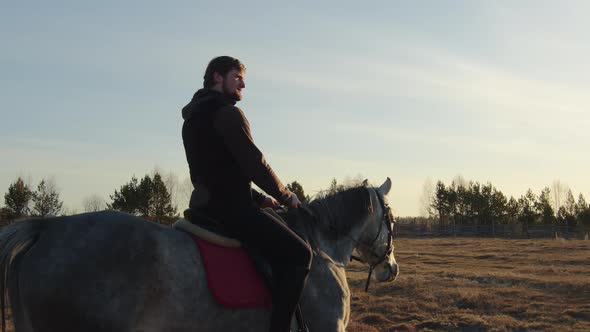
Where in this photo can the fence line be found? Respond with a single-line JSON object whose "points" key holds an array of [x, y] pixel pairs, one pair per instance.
{"points": [[515, 231]]}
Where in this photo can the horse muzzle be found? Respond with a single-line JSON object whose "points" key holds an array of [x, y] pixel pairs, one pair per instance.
{"points": [[394, 269], [388, 272]]}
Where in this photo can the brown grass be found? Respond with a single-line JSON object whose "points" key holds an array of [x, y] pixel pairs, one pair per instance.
{"points": [[453, 284], [477, 285]]}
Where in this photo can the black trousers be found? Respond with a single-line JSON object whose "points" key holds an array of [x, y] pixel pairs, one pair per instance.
{"points": [[288, 254]]}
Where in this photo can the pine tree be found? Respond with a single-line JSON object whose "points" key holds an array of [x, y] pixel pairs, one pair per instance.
{"points": [[567, 213], [584, 217], [145, 191], [528, 212], [297, 189], [462, 206], [581, 205], [512, 210], [161, 209], [544, 207], [46, 200], [498, 207], [148, 198], [583, 211], [126, 199], [440, 202], [335, 187], [17, 199]]}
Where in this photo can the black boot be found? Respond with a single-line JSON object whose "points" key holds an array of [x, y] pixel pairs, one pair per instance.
{"points": [[289, 284]]}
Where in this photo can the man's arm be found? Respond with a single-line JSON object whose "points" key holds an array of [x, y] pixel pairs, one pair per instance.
{"points": [[265, 201], [258, 197], [232, 125]]}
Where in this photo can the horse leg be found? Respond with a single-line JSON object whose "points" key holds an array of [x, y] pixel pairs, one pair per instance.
{"points": [[326, 297]]}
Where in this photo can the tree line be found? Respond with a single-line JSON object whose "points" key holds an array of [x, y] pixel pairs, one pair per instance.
{"points": [[148, 197], [45, 200], [474, 203], [457, 203]]}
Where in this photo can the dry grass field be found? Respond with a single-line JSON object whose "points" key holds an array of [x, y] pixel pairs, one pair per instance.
{"points": [[476, 284]]}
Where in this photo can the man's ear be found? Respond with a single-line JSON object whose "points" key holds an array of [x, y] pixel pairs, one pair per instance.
{"points": [[217, 78]]}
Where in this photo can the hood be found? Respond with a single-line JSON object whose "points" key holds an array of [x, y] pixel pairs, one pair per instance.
{"points": [[206, 99]]}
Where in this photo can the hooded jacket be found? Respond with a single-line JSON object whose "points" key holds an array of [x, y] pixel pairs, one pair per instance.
{"points": [[221, 154]]}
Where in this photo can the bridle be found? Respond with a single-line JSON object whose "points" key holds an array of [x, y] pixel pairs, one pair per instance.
{"points": [[387, 221]]}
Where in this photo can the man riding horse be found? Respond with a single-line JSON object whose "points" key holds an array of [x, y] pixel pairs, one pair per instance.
{"points": [[223, 162]]}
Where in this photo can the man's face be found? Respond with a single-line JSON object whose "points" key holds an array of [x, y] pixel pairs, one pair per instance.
{"points": [[233, 83]]}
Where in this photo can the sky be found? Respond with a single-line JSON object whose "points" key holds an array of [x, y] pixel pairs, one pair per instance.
{"points": [[494, 91]]}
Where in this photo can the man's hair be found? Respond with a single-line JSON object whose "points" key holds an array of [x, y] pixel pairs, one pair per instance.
{"points": [[221, 65]]}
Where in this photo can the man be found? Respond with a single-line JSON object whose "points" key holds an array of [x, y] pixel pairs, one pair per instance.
{"points": [[223, 162]]}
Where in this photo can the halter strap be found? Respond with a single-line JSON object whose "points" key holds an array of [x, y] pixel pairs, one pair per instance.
{"points": [[385, 219]]}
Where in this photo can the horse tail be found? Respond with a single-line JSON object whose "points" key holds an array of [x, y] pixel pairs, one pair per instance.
{"points": [[15, 240]]}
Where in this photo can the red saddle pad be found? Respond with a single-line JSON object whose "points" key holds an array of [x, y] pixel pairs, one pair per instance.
{"points": [[232, 277]]}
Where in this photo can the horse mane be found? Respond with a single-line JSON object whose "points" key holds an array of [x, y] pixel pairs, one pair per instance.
{"points": [[339, 212]]}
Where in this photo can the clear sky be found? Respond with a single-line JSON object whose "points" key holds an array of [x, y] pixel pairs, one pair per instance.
{"points": [[91, 92]]}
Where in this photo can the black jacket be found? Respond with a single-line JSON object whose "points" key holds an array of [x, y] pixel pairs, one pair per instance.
{"points": [[221, 154]]}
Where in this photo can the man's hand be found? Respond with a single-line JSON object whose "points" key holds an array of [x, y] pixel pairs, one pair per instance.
{"points": [[293, 201], [270, 202]]}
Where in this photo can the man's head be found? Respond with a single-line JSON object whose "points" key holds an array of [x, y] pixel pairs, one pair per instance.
{"points": [[225, 74]]}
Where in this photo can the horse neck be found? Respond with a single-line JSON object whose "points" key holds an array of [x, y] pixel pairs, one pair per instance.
{"points": [[339, 249], [337, 244]]}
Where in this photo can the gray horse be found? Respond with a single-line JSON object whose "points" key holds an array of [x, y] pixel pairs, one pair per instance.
{"points": [[110, 271]]}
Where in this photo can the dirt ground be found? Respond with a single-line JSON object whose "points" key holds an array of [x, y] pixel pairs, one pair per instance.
{"points": [[475, 284]]}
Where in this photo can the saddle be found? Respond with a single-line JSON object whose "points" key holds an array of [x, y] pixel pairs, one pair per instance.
{"points": [[246, 282], [213, 232], [206, 228]]}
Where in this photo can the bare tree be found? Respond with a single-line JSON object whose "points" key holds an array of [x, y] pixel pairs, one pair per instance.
{"points": [[559, 194], [66, 211], [180, 193], [170, 180], [426, 198], [353, 181], [93, 203], [459, 181], [185, 189]]}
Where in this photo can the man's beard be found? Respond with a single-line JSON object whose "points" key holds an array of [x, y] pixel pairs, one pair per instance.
{"points": [[231, 93]]}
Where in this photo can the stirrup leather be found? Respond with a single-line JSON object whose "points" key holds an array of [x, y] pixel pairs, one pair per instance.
{"points": [[301, 326]]}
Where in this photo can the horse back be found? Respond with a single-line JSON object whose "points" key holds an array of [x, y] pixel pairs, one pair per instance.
{"points": [[110, 271], [92, 272]]}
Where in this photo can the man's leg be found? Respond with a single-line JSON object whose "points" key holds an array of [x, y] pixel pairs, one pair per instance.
{"points": [[289, 256]]}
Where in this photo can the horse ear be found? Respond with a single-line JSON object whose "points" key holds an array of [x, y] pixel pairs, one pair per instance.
{"points": [[385, 187], [365, 183]]}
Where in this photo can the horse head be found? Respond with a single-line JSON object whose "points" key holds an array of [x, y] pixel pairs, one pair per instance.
{"points": [[375, 244]]}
